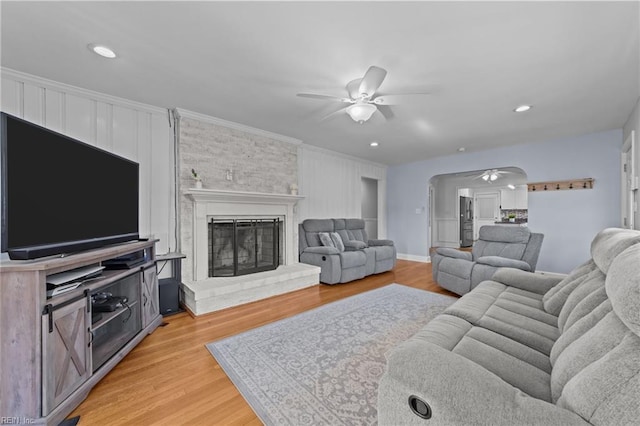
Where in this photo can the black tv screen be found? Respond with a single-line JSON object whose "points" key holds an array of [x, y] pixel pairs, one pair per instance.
{"points": [[60, 195]]}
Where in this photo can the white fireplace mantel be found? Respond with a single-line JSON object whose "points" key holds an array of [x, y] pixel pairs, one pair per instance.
{"points": [[208, 203]]}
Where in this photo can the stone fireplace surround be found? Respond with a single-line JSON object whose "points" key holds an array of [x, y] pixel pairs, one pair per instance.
{"points": [[202, 294]]}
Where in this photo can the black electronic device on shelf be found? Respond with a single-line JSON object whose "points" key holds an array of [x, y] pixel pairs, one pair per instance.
{"points": [[107, 302], [125, 262]]}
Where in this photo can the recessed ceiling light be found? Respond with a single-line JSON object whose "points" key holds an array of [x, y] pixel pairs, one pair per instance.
{"points": [[374, 144], [103, 51], [522, 108], [462, 149], [511, 186]]}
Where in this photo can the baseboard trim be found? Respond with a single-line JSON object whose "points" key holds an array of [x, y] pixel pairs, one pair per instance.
{"points": [[414, 258]]}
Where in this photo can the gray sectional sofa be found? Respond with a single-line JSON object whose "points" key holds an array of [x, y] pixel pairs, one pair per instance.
{"points": [[528, 349], [347, 256]]}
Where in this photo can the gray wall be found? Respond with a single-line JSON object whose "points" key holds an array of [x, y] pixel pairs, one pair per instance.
{"points": [[569, 219]]}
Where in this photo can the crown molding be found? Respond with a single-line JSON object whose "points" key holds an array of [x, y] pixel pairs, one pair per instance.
{"points": [[309, 147], [78, 91], [183, 113]]}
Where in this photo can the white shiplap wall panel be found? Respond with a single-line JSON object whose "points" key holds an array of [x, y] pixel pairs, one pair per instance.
{"points": [[135, 131], [11, 96], [161, 150], [125, 130], [34, 105], [54, 110], [104, 126], [79, 118], [332, 185]]}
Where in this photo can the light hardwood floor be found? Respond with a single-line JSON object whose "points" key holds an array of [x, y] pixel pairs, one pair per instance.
{"points": [[172, 379]]}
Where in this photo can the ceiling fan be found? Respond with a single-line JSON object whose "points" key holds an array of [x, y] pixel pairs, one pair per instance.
{"points": [[492, 175], [361, 96]]}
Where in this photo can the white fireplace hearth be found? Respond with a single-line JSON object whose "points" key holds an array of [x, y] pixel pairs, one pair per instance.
{"points": [[203, 294]]}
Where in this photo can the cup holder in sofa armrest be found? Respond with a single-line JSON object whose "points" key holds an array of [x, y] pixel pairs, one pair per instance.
{"points": [[419, 407]]}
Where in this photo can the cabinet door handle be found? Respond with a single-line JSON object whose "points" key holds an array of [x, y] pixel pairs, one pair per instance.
{"points": [[90, 340], [144, 296]]}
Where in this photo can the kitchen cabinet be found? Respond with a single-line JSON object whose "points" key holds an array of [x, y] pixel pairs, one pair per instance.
{"points": [[514, 199]]}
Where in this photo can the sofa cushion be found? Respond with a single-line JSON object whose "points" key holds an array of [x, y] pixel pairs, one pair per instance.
{"points": [[609, 243], [383, 252], [520, 234], [352, 259], [515, 363], [623, 287], [515, 313], [325, 239], [318, 225], [555, 298], [592, 282], [595, 371], [337, 241]]}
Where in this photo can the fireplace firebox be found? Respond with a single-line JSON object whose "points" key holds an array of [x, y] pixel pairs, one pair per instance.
{"points": [[243, 246]]}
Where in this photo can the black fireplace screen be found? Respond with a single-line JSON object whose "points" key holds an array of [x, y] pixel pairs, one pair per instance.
{"points": [[243, 246]]}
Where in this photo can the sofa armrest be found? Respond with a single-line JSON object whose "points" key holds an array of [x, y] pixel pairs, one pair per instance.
{"points": [[529, 281], [353, 245], [458, 391], [504, 262], [380, 242], [321, 250], [456, 254]]}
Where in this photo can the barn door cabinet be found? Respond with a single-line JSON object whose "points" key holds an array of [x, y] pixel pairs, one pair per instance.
{"points": [[55, 349]]}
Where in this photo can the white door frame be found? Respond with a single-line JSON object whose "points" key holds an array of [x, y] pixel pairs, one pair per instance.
{"points": [[629, 182]]}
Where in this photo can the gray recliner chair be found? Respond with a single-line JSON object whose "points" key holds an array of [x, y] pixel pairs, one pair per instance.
{"points": [[497, 247], [352, 257]]}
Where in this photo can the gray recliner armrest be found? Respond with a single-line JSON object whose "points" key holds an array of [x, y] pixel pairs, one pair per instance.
{"points": [[456, 254], [503, 262], [529, 281], [353, 245], [380, 242], [321, 250], [459, 392]]}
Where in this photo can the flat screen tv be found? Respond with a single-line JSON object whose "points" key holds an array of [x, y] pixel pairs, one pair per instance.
{"points": [[60, 195]]}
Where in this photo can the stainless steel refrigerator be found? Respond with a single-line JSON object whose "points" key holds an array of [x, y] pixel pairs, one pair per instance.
{"points": [[466, 221]]}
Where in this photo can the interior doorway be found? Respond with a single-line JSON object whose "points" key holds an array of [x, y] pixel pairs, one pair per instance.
{"points": [[488, 200], [369, 208]]}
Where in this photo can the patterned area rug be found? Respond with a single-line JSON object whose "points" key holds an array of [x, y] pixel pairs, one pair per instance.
{"points": [[323, 366]]}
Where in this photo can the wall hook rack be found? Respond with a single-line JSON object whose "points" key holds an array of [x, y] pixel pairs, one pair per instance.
{"points": [[558, 185]]}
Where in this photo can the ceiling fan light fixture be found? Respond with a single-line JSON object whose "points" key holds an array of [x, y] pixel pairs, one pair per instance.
{"points": [[361, 112]]}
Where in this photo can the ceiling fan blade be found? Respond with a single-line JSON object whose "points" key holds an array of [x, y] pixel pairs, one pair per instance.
{"points": [[386, 112], [323, 97], [353, 88], [396, 99], [334, 114], [371, 81]]}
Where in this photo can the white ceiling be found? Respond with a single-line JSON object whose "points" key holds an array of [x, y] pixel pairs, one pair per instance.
{"points": [[577, 63]]}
